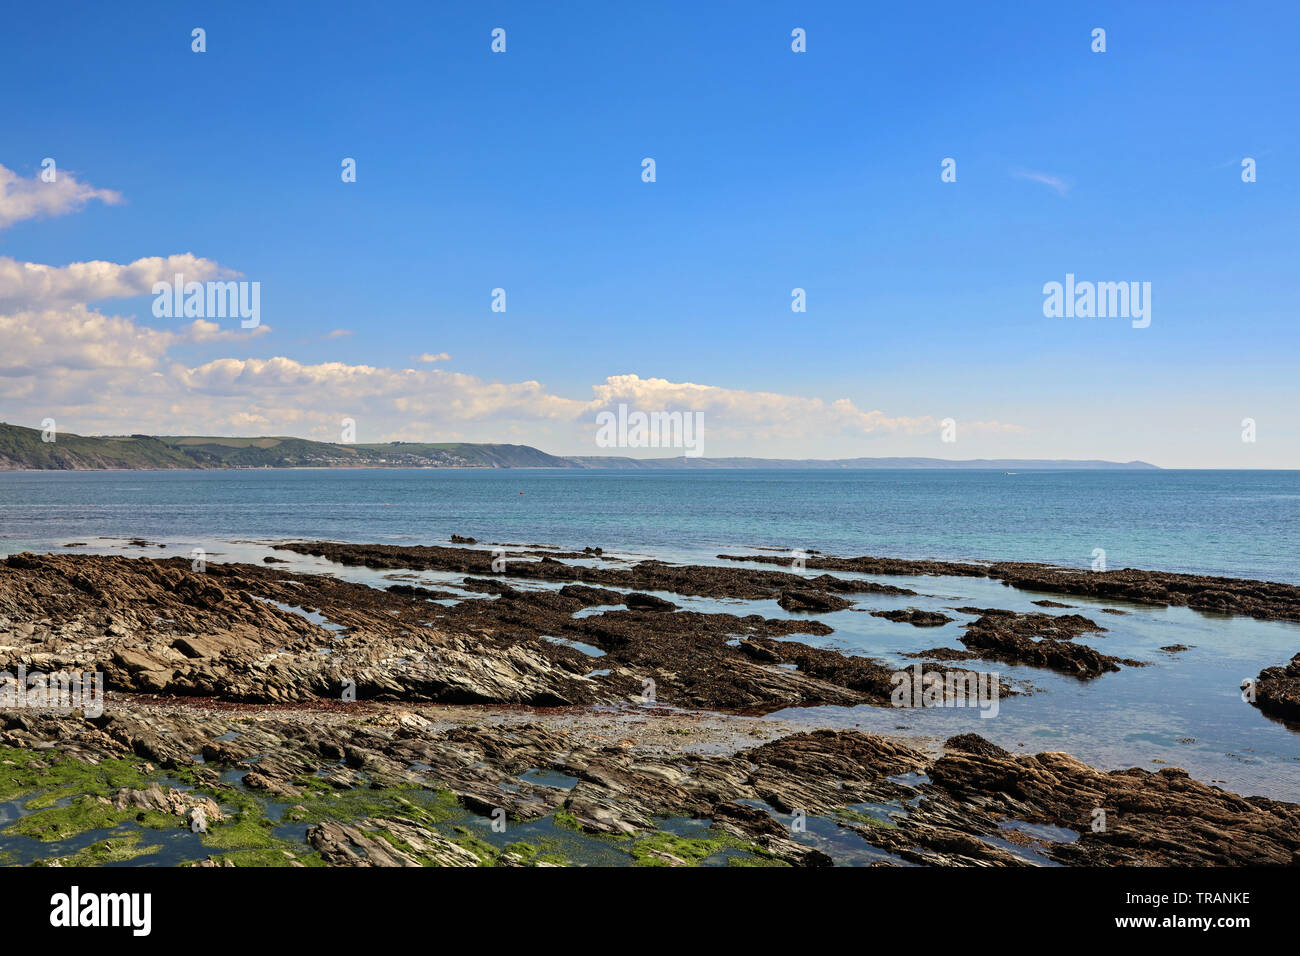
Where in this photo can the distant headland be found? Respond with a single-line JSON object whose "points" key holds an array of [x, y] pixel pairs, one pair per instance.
{"points": [[23, 449]]}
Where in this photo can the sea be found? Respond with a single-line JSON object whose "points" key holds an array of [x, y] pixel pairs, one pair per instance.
{"points": [[1183, 709], [1235, 523]]}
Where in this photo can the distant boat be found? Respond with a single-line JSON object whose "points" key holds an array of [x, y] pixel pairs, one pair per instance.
{"points": [[1008, 473]]}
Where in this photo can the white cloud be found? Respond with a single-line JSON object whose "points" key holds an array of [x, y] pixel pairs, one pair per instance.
{"points": [[33, 198], [429, 357], [743, 414], [31, 285], [79, 338], [201, 332], [107, 373], [771, 413]]}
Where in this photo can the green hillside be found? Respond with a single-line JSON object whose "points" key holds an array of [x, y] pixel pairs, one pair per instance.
{"points": [[22, 448], [483, 456]]}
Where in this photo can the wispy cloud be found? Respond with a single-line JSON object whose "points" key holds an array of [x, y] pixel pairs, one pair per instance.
{"points": [[33, 198], [429, 357], [339, 334], [1047, 179]]}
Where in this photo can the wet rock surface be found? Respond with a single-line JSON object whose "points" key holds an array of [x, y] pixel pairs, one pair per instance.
{"points": [[1041, 640], [1277, 690], [915, 617], [888, 798], [801, 599], [1148, 817], [1264, 600], [696, 580]]}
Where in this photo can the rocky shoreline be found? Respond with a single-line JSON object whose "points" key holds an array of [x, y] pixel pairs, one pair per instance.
{"points": [[579, 701], [1264, 600]]}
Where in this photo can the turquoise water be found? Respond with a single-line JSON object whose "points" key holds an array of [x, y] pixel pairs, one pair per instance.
{"points": [[1239, 523]]}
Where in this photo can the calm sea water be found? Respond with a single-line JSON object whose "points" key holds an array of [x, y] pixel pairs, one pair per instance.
{"points": [[1183, 709], [1240, 523]]}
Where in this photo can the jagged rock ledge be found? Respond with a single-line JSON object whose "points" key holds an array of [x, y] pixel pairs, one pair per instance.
{"points": [[1265, 600], [348, 776], [243, 632]]}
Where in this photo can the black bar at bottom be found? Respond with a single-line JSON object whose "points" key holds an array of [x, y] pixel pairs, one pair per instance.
{"points": [[916, 906]]}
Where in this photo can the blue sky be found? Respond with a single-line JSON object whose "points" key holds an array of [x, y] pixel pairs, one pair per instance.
{"points": [[775, 170]]}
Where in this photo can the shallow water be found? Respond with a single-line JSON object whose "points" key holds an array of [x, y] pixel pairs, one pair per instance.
{"points": [[1183, 709]]}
